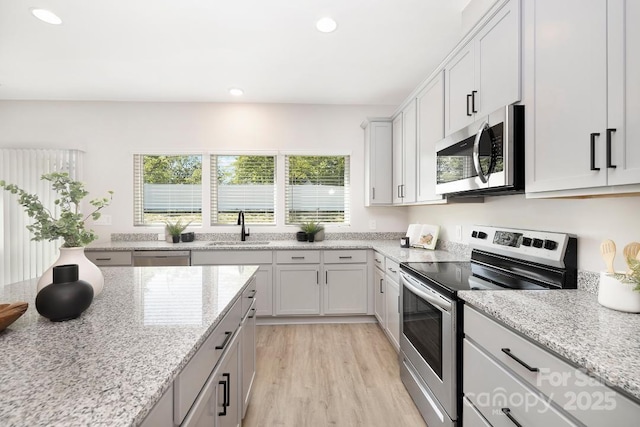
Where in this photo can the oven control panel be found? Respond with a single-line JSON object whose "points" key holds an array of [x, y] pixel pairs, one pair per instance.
{"points": [[536, 246]]}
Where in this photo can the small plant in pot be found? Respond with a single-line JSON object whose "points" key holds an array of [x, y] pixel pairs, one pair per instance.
{"points": [[175, 229], [311, 228]]}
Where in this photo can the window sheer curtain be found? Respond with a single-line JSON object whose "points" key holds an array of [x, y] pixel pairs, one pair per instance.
{"points": [[20, 257]]}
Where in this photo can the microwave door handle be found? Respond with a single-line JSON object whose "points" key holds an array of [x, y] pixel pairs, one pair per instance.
{"points": [[442, 305], [476, 152]]}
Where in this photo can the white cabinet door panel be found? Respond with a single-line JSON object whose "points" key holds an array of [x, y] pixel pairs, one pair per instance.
{"points": [[398, 174], [297, 290], [430, 114], [459, 83], [409, 150], [345, 289]]}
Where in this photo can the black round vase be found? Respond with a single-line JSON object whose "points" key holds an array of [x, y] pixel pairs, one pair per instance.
{"points": [[175, 239], [301, 236], [67, 297]]}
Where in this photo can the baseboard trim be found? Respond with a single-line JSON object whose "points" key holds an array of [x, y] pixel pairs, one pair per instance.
{"points": [[305, 320]]}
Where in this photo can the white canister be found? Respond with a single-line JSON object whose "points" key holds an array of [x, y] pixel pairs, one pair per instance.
{"points": [[612, 293]]}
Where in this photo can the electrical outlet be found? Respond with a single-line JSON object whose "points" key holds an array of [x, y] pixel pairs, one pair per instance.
{"points": [[459, 232], [372, 224], [103, 220]]}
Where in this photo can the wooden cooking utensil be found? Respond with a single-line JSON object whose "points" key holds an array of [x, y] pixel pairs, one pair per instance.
{"points": [[608, 251], [631, 251]]}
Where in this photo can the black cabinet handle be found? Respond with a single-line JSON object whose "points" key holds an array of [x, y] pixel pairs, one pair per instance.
{"points": [[225, 342], [227, 392], [507, 412], [345, 257], [297, 257], [317, 278], [326, 277], [253, 294], [381, 291], [609, 133], [103, 259], [593, 152], [507, 351], [468, 98], [253, 313], [473, 101], [378, 261], [373, 190]]}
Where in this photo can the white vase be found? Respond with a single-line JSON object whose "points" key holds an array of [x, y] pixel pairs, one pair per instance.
{"points": [[87, 271], [614, 294]]}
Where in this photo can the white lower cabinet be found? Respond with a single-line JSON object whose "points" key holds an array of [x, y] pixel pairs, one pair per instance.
{"points": [[331, 282], [509, 379], [392, 288], [297, 290], [248, 356], [379, 295], [218, 404]]}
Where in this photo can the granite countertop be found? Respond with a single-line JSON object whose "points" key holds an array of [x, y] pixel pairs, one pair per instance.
{"points": [[112, 364], [389, 248], [572, 324]]}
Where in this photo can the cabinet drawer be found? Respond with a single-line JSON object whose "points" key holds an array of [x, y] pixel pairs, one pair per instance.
{"points": [[471, 417], [107, 258], [392, 269], [248, 296], [586, 398], [497, 394], [298, 257], [345, 257], [378, 260], [191, 379], [231, 257]]}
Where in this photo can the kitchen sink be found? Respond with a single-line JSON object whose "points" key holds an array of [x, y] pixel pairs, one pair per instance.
{"points": [[238, 243]]}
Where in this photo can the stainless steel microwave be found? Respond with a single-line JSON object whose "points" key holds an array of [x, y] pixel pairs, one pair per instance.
{"points": [[486, 157]]}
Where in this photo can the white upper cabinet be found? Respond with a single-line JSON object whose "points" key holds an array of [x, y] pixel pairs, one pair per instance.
{"points": [[582, 96], [377, 161], [404, 156], [398, 156], [485, 74], [430, 130], [624, 91]]}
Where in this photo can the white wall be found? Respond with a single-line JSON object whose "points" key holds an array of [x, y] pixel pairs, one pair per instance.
{"points": [[111, 132], [592, 220]]}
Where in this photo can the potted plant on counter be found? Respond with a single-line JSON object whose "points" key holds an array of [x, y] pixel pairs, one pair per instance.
{"points": [[175, 229], [311, 228], [66, 222]]}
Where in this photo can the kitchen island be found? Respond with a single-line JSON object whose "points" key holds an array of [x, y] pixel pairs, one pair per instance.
{"points": [[110, 366]]}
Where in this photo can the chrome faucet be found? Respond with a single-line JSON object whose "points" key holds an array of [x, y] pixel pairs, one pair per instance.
{"points": [[243, 233]]}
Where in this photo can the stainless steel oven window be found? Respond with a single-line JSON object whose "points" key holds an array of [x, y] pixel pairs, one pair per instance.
{"points": [[422, 325]]}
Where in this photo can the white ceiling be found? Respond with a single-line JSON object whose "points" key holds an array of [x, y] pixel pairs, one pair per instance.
{"points": [[195, 50]]}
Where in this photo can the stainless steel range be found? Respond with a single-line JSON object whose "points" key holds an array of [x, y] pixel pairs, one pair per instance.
{"points": [[431, 313]]}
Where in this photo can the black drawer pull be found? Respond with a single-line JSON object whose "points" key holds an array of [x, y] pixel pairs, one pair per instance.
{"points": [[225, 342], [378, 261], [253, 313], [507, 412], [609, 133], [253, 294], [381, 291], [468, 98], [345, 257], [103, 259], [227, 393], [297, 257], [593, 152], [507, 351]]}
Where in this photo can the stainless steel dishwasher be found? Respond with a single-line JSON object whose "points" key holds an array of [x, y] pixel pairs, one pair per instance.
{"points": [[161, 258]]}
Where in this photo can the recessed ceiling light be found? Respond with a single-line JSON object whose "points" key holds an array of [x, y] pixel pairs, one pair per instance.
{"points": [[326, 25], [46, 16], [236, 91]]}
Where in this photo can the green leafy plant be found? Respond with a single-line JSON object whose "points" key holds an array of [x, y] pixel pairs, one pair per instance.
{"points": [[176, 228], [70, 225], [633, 276], [311, 227]]}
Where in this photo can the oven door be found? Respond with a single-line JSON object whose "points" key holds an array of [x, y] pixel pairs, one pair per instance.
{"points": [[428, 341]]}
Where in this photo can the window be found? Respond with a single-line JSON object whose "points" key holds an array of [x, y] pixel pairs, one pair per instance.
{"points": [[167, 188], [243, 183], [317, 189]]}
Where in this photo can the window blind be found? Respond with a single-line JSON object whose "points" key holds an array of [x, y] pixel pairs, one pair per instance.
{"points": [[317, 189], [20, 257], [243, 183], [167, 188]]}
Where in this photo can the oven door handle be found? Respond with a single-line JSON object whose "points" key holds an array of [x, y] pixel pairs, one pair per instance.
{"points": [[476, 153], [437, 302]]}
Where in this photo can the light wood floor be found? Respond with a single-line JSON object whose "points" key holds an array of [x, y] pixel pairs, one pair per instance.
{"points": [[328, 375]]}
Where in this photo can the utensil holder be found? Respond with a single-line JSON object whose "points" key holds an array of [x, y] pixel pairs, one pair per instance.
{"points": [[614, 294]]}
